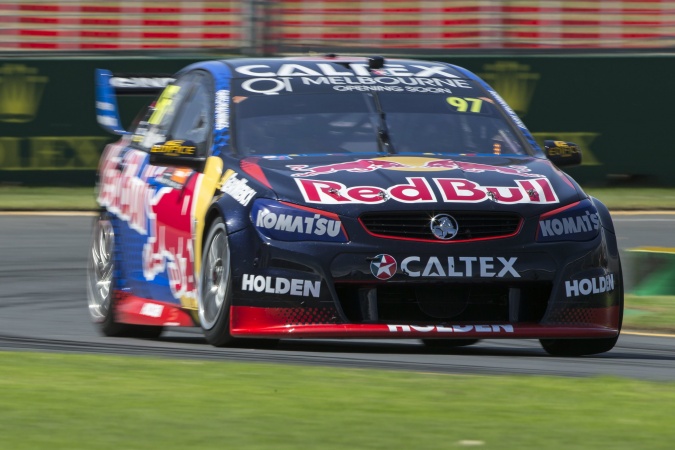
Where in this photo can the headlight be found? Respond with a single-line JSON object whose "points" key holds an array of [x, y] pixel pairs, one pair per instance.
{"points": [[289, 222], [576, 222]]}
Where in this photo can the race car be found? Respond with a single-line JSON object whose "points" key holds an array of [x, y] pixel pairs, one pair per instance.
{"points": [[344, 197]]}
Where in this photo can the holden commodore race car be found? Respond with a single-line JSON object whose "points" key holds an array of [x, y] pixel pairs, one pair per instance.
{"points": [[334, 197]]}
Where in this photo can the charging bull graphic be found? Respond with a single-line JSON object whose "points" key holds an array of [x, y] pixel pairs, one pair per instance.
{"points": [[169, 246], [407, 163], [154, 204]]}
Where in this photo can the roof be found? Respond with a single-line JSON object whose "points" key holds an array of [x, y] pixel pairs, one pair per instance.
{"points": [[321, 66]]}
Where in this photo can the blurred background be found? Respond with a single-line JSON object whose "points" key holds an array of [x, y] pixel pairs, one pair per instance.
{"points": [[595, 72]]}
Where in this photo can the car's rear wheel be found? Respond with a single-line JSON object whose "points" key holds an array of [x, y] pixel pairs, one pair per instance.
{"points": [[215, 291], [449, 343], [100, 285]]}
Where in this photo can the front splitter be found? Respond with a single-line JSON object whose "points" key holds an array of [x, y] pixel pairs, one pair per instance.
{"points": [[248, 321]]}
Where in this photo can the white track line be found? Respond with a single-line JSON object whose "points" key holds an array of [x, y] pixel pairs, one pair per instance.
{"points": [[642, 213], [640, 333]]}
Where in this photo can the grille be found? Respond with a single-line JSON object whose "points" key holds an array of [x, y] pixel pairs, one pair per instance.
{"points": [[415, 225], [436, 303]]}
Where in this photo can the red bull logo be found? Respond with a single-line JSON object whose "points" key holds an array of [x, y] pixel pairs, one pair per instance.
{"points": [[410, 163], [418, 189], [125, 192]]}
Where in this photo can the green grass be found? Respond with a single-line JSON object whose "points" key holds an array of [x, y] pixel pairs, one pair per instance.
{"points": [[635, 198], [104, 402], [18, 198], [650, 313]]}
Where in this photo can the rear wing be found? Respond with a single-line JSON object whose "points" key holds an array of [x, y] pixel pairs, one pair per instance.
{"points": [[109, 86]]}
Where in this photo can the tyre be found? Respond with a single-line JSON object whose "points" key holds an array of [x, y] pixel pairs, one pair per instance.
{"points": [[215, 282], [100, 282], [215, 293], [448, 343]]}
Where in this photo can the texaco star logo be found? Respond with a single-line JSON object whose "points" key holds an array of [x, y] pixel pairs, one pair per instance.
{"points": [[383, 266]]}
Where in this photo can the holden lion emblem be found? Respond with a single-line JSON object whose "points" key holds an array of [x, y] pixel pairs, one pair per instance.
{"points": [[444, 227]]}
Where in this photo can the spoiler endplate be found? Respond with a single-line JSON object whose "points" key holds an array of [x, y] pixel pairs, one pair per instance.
{"points": [[109, 86]]}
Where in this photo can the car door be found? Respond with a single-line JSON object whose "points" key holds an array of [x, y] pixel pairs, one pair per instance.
{"points": [[166, 155]]}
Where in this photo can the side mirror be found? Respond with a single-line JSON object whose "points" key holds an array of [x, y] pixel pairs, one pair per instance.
{"points": [[562, 153], [176, 153]]}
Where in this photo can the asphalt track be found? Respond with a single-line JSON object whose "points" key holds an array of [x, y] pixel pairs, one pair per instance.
{"points": [[43, 308]]}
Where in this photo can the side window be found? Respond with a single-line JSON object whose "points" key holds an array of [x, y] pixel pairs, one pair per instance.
{"points": [[194, 118], [160, 116]]}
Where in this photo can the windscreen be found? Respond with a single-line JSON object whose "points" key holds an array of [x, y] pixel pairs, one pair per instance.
{"points": [[373, 122]]}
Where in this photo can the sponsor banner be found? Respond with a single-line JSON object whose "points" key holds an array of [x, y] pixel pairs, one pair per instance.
{"points": [[461, 266], [419, 190], [134, 83], [175, 148], [353, 77], [284, 85], [576, 224], [287, 223], [508, 109], [317, 69], [281, 286], [237, 188], [499, 329], [384, 266], [53, 153], [588, 286], [222, 109]]}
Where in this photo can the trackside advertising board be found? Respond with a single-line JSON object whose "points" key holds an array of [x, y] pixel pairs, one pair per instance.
{"points": [[615, 107]]}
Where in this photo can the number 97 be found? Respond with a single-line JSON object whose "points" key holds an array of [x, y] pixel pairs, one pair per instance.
{"points": [[462, 104]]}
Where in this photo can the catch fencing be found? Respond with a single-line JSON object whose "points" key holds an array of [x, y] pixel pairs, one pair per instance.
{"points": [[291, 26], [581, 71]]}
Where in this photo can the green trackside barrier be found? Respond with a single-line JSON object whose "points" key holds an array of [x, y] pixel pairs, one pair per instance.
{"points": [[654, 270], [48, 129], [616, 107]]}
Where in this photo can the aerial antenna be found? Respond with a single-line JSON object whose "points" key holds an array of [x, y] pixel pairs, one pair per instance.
{"points": [[375, 62]]}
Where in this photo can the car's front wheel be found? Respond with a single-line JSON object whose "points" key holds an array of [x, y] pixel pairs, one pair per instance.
{"points": [[100, 284], [582, 347], [216, 287]]}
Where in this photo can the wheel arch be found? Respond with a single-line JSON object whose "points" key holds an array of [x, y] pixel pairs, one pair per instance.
{"points": [[211, 215], [603, 212]]}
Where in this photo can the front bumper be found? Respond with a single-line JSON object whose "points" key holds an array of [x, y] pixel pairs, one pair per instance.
{"points": [[503, 288]]}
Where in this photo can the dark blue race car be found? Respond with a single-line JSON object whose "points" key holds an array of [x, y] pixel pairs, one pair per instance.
{"points": [[334, 197]]}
